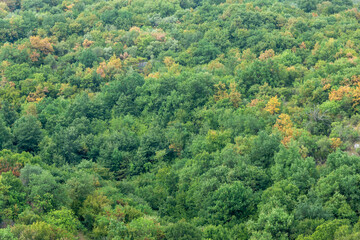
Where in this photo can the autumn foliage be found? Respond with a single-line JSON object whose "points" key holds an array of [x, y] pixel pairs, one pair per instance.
{"points": [[179, 119], [6, 166], [38, 95], [109, 68], [335, 143], [273, 105], [87, 43], [231, 93], [171, 65], [267, 54], [286, 128], [42, 45], [350, 91]]}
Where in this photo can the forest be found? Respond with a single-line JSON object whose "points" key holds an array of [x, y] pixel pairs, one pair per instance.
{"points": [[179, 119]]}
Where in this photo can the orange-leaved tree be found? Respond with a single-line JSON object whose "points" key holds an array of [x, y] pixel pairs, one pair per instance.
{"points": [[109, 69], [43, 45]]}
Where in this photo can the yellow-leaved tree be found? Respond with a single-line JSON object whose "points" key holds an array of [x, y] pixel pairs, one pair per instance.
{"points": [[273, 105], [286, 128], [222, 92]]}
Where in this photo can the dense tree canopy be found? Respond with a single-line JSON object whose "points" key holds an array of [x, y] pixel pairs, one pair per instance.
{"points": [[179, 119]]}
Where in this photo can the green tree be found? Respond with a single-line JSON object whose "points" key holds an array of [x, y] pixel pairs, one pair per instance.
{"points": [[204, 51], [327, 230], [275, 221], [27, 133], [65, 219], [290, 165], [231, 202], [182, 230], [6, 234], [94, 205], [8, 113], [87, 57], [216, 233], [80, 185], [40, 231], [12, 196], [5, 135], [263, 148], [45, 192], [18, 72]]}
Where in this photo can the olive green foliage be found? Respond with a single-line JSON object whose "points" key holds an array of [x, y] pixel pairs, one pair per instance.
{"points": [[179, 119]]}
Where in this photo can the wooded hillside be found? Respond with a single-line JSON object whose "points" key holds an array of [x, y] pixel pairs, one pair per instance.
{"points": [[179, 119]]}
